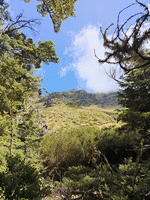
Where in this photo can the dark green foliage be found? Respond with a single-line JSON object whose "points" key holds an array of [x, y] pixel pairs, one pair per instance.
{"points": [[75, 98], [128, 181], [17, 66], [29, 136], [5, 15], [19, 134], [58, 10], [131, 178], [16, 85], [136, 97], [83, 179], [91, 162], [135, 91], [88, 146], [135, 120], [117, 144], [19, 59], [97, 164], [20, 180]]}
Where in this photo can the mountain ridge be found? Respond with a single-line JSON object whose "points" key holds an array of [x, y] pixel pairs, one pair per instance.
{"points": [[79, 98]]}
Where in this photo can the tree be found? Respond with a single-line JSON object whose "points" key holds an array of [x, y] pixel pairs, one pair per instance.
{"points": [[135, 96], [57, 10], [126, 48], [20, 57]]}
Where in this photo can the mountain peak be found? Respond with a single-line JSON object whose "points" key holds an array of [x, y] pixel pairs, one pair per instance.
{"points": [[79, 98]]}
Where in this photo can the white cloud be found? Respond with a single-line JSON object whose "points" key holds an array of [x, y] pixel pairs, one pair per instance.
{"points": [[149, 5], [90, 74]]}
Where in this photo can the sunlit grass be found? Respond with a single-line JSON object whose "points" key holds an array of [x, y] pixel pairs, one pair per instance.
{"points": [[60, 118], [63, 117]]}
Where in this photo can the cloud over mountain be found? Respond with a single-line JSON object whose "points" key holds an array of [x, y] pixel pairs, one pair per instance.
{"points": [[90, 74]]}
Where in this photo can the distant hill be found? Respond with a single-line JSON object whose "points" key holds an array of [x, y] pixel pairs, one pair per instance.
{"points": [[79, 98], [77, 108]]}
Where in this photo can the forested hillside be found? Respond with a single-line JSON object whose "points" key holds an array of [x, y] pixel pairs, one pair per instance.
{"points": [[80, 98]]}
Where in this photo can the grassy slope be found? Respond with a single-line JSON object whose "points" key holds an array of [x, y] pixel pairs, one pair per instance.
{"points": [[62, 117]]}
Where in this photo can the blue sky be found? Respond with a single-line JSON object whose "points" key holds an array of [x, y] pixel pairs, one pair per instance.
{"points": [[75, 43]]}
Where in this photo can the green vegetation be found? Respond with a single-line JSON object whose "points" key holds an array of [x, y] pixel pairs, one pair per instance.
{"points": [[73, 144], [19, 134], [77, 98], [20, 180], [63, 117], [58, 10]]}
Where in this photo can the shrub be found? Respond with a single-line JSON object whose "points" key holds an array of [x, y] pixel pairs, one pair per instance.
{"points": [[19, 180], [69, 148], [86, 146], [117, 144]]}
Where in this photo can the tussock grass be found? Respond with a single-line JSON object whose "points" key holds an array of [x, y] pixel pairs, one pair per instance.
{"points": [[63, 117]]}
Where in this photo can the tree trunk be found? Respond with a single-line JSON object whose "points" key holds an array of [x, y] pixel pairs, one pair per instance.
{"points": [[12, 134]]}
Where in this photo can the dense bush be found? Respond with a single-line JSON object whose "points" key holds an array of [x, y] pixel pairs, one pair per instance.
{"points": [[128, 181], [97, 163], [69, 148], [87, 146], [117, 144], [19, 180]]}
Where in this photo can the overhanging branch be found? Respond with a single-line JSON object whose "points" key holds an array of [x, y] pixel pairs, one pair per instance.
{"points": [[125, 47]]}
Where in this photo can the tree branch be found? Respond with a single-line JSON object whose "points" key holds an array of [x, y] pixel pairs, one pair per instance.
{"points": [[127, 48], [22, 23]]}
